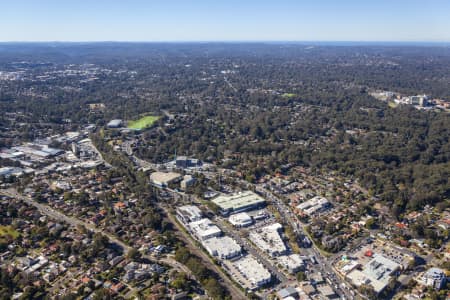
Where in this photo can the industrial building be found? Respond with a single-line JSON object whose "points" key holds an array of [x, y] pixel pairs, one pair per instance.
{"points": [[222, 247], [269, 240], [11, 154], [254, 272], [163, 179], [240, 220], [188, 213], [13, 171], [238, 202], [204, 229], [36, 150]]}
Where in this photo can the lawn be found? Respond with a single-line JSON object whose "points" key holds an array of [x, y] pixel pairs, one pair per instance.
{"points": [[143, 122], [8, 230], [392, 104]]}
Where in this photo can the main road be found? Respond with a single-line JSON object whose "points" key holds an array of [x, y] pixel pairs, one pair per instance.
{"points": [[323, 265], [247, 246]]}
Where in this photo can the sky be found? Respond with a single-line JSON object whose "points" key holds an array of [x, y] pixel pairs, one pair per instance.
{"points": [[225, 20]]}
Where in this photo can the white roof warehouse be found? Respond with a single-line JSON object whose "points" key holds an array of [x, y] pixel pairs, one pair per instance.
{"points": [[238, 202], [163, 179]]}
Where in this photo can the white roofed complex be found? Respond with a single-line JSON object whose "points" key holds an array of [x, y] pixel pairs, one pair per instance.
{"points": [[188, 213], [222, 247], [256, 274], [293, 263], [240, 220], [314, 205], [434, 277], [116, 123], [269, 240], [238, 202], [204, 229], [163, 179], [377, 273]]}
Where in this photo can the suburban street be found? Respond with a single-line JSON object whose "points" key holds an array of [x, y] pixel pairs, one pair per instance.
{"points": [[323, 265], [54, 214]]}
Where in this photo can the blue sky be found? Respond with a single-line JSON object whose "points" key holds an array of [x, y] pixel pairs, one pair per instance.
{"points": [[230, 20]]}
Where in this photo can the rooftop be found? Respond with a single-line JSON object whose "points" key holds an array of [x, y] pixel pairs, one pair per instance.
{"points": [[204, 229], [269, 240], [313, 205], [223, 247], [114, 123], [292, 262], [238, 201], [240, 219], [377, 272], [189, 213], [164, 177], [326, 290], [251, 269]]}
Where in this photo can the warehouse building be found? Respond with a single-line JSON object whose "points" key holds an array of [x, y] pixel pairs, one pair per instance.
{"points": [[238, 202], [11, 171], [163, 179], [37, 150]]}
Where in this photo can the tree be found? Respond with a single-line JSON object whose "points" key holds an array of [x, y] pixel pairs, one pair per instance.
{"points": [[370, 223], [182, 255], [301, 276], [102, 294], [215, 290], [180, 282], [133, 254], [368, 290]]}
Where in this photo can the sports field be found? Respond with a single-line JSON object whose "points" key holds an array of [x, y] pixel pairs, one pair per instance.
{"points": [[143, 122], [289, 95]]}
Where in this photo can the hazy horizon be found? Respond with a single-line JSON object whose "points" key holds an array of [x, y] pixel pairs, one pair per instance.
{"points": [[284, 42], [225, 21]]}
